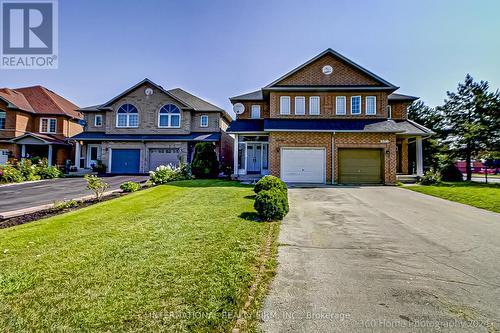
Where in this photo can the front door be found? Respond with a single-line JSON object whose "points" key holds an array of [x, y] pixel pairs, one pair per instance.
{"points": [[254, 154], [93, 154]]}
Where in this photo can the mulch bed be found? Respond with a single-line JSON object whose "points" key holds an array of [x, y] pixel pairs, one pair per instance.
{"points": [[13, 221]]}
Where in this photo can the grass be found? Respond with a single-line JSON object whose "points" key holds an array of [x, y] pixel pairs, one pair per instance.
{"points": [[486, 196], [177, 257]]}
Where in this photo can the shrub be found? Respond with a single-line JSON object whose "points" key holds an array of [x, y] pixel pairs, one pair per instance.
{"points": [[271, 204], [99, 167], [270, 182], [60, 205], [169, 173], [450, 173], [28, 170], [10, 174], [130, 187], [430, 177], [44, 171], [96, 185], [205, 164]]}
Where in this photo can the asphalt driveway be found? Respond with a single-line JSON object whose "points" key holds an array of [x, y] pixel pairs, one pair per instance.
{"points": [[384, 259], [32, 194]]}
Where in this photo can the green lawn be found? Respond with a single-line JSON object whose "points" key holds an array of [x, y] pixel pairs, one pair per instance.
{"points": [[171, 258], [486, 196]]}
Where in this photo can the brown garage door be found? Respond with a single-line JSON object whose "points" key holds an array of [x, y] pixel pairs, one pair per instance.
{"points": [[360, 166]]}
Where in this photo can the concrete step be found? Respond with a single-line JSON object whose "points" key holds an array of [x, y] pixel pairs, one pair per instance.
{"points": [[407, 179]]}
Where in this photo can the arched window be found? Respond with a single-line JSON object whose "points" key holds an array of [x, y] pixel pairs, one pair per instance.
{"points": [[127, 116], [169, 116]]}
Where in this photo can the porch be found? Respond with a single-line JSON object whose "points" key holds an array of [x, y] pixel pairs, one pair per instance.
{"points": [[31, 145], [251, 156], [409, 157]]}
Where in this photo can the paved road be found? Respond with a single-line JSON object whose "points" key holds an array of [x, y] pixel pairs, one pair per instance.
{"points": [[384, 259], [26, 195]]}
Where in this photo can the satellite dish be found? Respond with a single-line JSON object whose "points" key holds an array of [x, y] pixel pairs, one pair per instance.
{"points": [[238, 108], [148, 91]]}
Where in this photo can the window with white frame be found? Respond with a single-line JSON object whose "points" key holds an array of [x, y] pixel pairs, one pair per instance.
{"points": [[204, 121], [340, 105], [371, 105], [300, 105], [285, 105], [3, 116], [356, 105], [255, 114], [48, 125], [98, 120], [127, 116], [169, 117], [314, 105]]}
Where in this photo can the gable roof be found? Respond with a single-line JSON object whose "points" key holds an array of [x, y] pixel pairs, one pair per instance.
{"points": [[253, 96], [333, 53], [39, 100], [146, 80]]}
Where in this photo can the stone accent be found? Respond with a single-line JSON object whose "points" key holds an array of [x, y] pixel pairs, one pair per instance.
{"points": [[278, 140]]}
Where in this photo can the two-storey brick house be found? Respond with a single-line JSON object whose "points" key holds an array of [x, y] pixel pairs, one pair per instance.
{"points": [[147, 126], [37, 122], [327, 121]]}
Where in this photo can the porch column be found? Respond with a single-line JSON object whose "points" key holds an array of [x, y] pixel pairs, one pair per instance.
{"points": [[419, 157], [77, 155], [49, 155], [235, 155], [23, 151]]}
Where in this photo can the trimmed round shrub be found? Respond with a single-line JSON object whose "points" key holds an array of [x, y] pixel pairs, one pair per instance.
{"points": [[270, 182], [451, 173], [205, 163], [130, 187], [271, 205]]}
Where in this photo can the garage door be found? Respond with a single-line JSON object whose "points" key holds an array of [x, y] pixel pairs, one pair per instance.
{"points": [[302, 165], [125, 160], [360, 166], [163, 156]]}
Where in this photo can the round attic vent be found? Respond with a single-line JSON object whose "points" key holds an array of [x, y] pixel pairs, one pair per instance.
{"points": [[327, 70], [148, 91]]}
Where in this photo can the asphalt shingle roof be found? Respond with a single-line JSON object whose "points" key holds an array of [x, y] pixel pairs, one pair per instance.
{"points": [[212, 137], [253, 96]]}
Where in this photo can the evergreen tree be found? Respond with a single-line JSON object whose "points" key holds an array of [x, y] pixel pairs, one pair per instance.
{"points": [[205, 163]]}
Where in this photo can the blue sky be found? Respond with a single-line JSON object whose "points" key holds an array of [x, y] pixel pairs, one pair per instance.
{"points": [[217, 49]]}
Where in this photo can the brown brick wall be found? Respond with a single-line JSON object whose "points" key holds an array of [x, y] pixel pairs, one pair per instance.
{"points": [[226, 150], [264, 109], [328, 105], [399, 110], [343, 74], [341, 140]]}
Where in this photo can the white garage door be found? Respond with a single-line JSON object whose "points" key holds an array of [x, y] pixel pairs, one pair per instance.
{"points": [[303, 165], [163, 156]]}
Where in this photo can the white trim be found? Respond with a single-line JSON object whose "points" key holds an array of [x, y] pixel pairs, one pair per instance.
{"points": [[235, 154], [203, 116], [337, 111], [110, 159], [302, 100], [360, 106], [374, 105], [128, 117], [48, 125], [311, 99], [255, 108], [95, 120], [419, 157], [283, 100], [169, 117], [305, 148], [99, 152]]}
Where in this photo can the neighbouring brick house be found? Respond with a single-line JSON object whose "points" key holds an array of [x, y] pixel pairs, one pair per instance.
{"points": [[147, 126], [327, 121], [36, 122]]}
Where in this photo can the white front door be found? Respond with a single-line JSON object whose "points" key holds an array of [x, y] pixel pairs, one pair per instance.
{"points": [[303, 165], [93, 154], [254, 157]]}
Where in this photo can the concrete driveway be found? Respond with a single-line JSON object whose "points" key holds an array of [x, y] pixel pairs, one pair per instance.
{"points": [[384, 259], [33, 194]]}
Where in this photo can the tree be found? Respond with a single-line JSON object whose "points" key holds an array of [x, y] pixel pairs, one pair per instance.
{"points": [[205, 163], [471, 120]]}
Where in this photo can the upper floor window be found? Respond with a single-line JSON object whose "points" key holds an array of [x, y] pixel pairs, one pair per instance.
{"points": [[371, 105], [98, 120], [255, 114], [314, 105], [3, 115], [300, 105], [169, 116], [204, 121], [356, 105], [127, 116], [285, 105], [48, 125], [340, 105]]}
